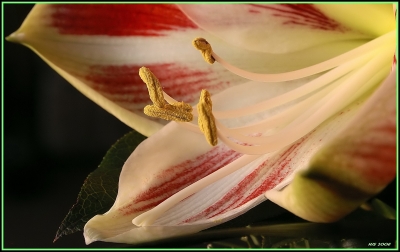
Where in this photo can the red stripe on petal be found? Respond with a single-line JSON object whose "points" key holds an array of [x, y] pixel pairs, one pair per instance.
{"points": [[375, 160], [282, 167], [123, 85], [180, 176], [228, 200], [301, 14], [120, 84], [265, 177], [118, 19]]}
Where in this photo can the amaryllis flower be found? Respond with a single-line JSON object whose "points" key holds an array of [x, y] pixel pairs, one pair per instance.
{"points": [[299, 107]]}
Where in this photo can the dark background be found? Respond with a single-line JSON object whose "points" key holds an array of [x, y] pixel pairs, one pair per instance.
{"points": [[53, 138]]}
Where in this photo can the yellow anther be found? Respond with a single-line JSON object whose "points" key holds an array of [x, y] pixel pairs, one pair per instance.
{"points": [[206, 118], [205, 48], [154, 87], [184, 107], [169, 112], [178, 111]]}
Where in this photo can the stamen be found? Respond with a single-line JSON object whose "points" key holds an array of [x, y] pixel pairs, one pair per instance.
{"points": [[205, 48], [348, 91], [282, 118], [148, 218], [278, 120], [307, 88], [385, 40], [206, 119], [320, 111], [352, 83], [177, 111]]}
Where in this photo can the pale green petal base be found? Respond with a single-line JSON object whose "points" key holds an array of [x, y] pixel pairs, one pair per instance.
{"points": [[316, 199], [352, 168]]}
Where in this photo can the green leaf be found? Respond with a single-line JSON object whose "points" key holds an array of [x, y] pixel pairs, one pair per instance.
{"points": [[100, 188]]}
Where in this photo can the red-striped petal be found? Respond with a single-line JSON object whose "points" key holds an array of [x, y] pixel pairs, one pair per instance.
{"points": [[144, 182], [99, 49]]}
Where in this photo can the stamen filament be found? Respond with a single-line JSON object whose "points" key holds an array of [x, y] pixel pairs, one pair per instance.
{"points": [[169, 99], [300, 91], [284, 117], [381, 41], [295, 93], [351, 79], [363, 78], [277, 120]]}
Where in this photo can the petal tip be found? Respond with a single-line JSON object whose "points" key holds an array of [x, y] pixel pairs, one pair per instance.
{"points": [[88, 240], [15, 37]]}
